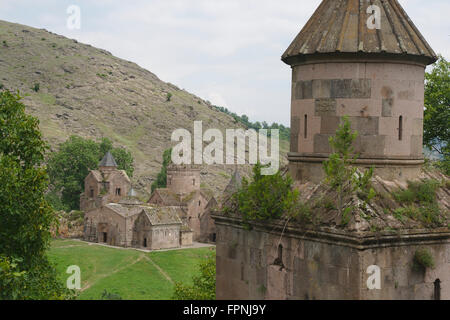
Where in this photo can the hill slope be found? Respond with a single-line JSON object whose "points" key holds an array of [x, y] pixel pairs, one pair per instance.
{"points": [[88, 92]]}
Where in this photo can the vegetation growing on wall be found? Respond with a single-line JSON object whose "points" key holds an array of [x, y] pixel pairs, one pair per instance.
{"points": [[423, 260], [341, 175], [419, 202], [265, 197]]}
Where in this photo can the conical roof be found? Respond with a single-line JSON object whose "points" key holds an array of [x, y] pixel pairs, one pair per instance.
{"points": [[108, 161], [234, 184], [340, 28]]}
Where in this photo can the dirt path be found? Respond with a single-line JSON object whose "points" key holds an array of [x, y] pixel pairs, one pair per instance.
{"points": [[159, 269], [90, 284]]}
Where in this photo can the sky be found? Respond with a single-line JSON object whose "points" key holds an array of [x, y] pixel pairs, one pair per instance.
{"points": [[225, 51]]}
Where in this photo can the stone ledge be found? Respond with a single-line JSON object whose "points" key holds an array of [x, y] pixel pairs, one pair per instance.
{"points": [[393, 161], [357, 240]]}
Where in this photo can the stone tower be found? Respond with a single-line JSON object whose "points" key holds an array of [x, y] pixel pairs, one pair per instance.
{"points": [[183, 179], [105, 185], [343, 65]]}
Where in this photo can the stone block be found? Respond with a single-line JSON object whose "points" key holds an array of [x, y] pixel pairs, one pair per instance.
{"points": [[303, 90], [372, 145], [325, 107], [367, 126], [329, 124], [416, 146], [321, 89], [387, 105], [321, 143]]}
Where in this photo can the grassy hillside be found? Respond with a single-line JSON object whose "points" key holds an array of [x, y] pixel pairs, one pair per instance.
{"points": [[75, 88], [132, 274]]}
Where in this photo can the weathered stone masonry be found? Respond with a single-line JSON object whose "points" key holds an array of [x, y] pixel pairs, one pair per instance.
{"points": [[314, 264]]}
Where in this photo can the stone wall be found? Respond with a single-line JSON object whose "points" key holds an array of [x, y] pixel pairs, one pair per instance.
{"points": [[104, 220], [183, 180], [381, 99], [302, 264]]}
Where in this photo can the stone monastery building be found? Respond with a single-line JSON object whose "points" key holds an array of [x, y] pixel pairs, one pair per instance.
{"points": [[174, 216]]}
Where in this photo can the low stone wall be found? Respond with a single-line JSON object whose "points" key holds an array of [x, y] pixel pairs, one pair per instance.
{"points": [[325, 264]]}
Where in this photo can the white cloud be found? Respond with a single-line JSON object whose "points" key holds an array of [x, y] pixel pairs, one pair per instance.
{"points": [[227, 51]]}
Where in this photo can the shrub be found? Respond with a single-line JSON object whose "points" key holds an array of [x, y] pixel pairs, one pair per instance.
{"points": [[204, 285], [340, 174], [36, 87], [423, 260], [418, 192], [169, 96], [266, 197]]}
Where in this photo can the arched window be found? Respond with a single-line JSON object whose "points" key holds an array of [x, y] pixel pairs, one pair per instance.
{"points": [[437, 289], [92, 193], [118, 192], [306, 127], [400, 128]]}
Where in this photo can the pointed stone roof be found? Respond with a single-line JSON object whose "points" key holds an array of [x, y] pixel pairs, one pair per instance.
{"points": [[108, 161], [234, 184], [339, 28]]}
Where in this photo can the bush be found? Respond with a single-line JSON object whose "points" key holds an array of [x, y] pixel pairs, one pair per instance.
{"points": [[169, 96], [422, 192], [36, 87], [204, 285], [266, 197], [423, 260]]}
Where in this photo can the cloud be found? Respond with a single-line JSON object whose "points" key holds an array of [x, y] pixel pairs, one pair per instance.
{"points": [[227, 51]]}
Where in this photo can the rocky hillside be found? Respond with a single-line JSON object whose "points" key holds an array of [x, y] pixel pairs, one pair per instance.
{"points": [[74, 88]]}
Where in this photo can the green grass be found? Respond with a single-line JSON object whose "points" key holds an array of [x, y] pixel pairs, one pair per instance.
{"points": [[125, 272]]}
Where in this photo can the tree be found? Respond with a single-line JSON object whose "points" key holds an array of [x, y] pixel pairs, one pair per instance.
{"points": [[204, 285], [161, 179], [437, 111], [25, 216], [265, 197], [71, 164], [340, 174]]}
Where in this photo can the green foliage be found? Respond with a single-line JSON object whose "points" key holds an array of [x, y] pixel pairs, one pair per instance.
{"points": [[204, 284], [1, 86], [420, 192], [266, 197], [25, 216], [71, 164], [437, 111], [169, 97], [423, 260], [340, 174], [36, 87], [161, 179], [285, 132], [5, 44]]}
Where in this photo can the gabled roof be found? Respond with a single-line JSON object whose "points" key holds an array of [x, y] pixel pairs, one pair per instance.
{"points": [[169, 198], [162, 215], [340, 27], [108, 161]]}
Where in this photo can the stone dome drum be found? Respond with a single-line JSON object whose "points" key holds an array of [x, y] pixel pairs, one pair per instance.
{"points": [[342, 65]]}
